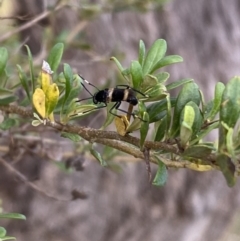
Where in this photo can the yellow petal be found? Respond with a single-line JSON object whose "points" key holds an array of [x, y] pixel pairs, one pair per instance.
{"points": [[46, 80], [52, 96], [39, 102], [51, 117]]}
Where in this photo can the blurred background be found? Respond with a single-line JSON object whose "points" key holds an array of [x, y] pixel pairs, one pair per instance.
{"points": [[121, 205]]}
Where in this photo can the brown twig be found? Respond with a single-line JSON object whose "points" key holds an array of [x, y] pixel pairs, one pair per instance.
{"points": [[23, 179], [30, 23], [26, 17], [128, 144]]}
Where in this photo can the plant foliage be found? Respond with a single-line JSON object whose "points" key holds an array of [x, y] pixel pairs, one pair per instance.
{"points": [[180, 122]]}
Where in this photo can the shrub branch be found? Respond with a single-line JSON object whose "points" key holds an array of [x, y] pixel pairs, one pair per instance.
{"points": [[127, 144]]}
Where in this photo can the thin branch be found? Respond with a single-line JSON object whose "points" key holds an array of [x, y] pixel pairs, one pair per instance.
{"points": [[113, 139], [26, 17], [23, 179], [30, 23]]}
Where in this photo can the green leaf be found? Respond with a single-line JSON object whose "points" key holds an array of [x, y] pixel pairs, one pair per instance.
{"points": [[79, 109], [109, 119], [4, 76], [158, 92], [229, 110], [55, 56], [154, 55], [67, 71], [207, 109], [171, 59], [198, 120], [230, 106], [204, 132], [144, 129], [162, 77], [228, 168], [219, 88], [3, 232], [169, 114], [141, 53], [229, 143], [190, 122], [12, 216], [157, 110], [178, 83], [31, 67], [161, 127], [8, 123], [24, 81], [71, 136], [199, 151], [3, 59], [161, 176], [75, 89], [135, 125], [98, 156], [8, 100], [189, 92], [118, 64], [8, 238], [136, 73], [185, 134], [148, 82], [4, 91], [126, 72]]}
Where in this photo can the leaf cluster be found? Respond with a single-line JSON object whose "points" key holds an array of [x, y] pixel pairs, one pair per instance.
{"points": [[182, 121]]}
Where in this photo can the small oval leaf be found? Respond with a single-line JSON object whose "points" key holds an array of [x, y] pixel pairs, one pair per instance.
{"points": [[171, 59], [178, 83], [30, 61], [7, 100], [24, 81], [228, 168], [55, 56], [8, 123], [3, 59], [98, 156], [162, 174], [136, 73], [3, 232], [12, 216], [219, 88], [67, 71], [118, 64], [189, 92], [141, 53], [154, 55], [161, 127]]}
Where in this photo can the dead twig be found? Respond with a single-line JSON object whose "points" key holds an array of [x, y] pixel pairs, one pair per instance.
{"points": [[30, 23], [25, 17], [23, 179]]}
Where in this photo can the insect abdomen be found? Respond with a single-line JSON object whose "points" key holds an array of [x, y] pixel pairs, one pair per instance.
{"points": [[117, 95]]}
